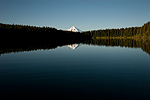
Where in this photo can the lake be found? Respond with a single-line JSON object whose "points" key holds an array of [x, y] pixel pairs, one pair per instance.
{"points": [[77, 71]]}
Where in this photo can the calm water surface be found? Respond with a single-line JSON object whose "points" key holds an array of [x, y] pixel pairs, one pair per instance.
{"points": [[87, 72]]}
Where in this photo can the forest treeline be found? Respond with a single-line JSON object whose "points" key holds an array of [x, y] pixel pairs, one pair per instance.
{"points": [[36, 33], [16, 38], [24, 35], [143, 31], [32, 33]]}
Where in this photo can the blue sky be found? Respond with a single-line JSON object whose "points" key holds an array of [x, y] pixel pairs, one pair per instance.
{"points": [[84, 14]]}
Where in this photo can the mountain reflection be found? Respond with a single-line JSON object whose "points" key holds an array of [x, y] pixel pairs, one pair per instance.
{"points": [[144, 44], [73, 46]]}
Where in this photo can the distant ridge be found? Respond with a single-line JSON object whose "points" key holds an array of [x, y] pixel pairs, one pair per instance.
{"points": [[74, 29]]}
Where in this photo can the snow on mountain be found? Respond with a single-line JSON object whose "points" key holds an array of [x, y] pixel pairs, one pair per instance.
{"points": [[74, 29], [73, 46]]}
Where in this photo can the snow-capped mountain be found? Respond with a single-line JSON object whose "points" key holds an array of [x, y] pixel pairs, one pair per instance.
{"points": [[73, 46], [74, 29]]}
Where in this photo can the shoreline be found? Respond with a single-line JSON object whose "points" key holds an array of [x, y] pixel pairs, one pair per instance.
{"points": [[121, 38]]}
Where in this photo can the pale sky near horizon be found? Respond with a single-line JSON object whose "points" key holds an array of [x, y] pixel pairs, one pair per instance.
{"points": [[84, 14]]}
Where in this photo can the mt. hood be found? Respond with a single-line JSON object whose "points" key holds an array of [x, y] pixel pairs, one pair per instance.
{"points": [[74, 29]]}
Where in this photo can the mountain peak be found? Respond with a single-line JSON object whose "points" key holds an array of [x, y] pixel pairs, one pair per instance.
{"points": [[74, 29]]}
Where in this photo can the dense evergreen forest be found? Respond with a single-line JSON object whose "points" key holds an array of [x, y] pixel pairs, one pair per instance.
{"points": [[22, 36], [140, 32], [16, 38], [33, 33]]}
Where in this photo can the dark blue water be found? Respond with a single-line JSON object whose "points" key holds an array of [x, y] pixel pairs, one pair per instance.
{"points": [[88, 72]]}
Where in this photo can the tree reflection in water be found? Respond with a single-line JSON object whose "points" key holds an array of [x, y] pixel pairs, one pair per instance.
{"points": [[144, 44]]}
